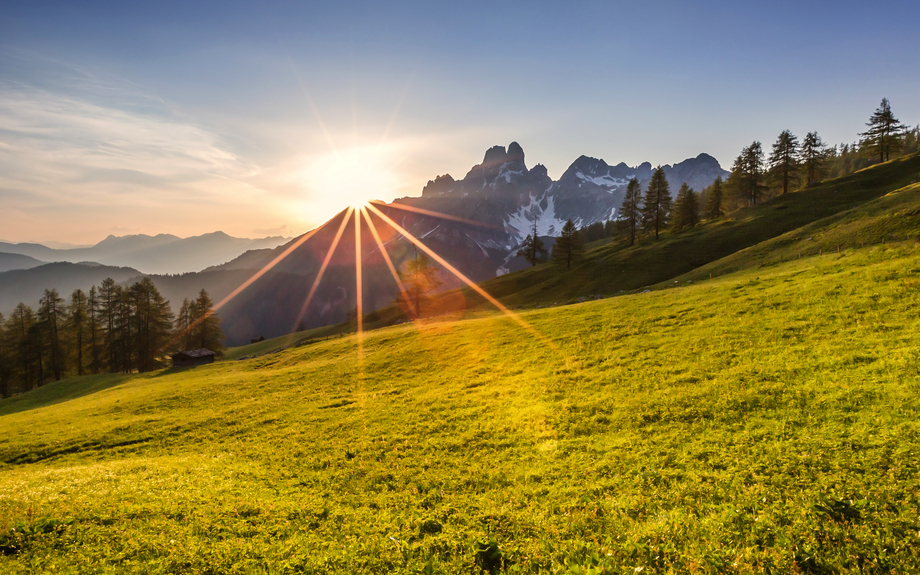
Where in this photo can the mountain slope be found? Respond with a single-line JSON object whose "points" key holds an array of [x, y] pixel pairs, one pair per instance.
{"points": [[17, 262], [27, 286], [763, 421], [163, 253]]}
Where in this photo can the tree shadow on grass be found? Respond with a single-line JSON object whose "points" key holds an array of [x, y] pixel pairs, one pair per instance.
{"points": [[62, 391]]}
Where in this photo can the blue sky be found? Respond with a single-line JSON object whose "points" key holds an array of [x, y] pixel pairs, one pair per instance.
{"points": [[265, 118]]}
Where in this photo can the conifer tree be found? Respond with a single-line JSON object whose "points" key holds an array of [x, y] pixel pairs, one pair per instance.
{"points": [[79, 320], [714, 199], [885, 133], [631, 210], [569, 246], [532, 248], [92, 309], [686, 208], [747, 174], [184, 324], [206, 326], [26, 358], [51, 317], [419, 277], [656, 206], [153, 322], [784, 160], [4, 361], [812, 156], [109, 294]]}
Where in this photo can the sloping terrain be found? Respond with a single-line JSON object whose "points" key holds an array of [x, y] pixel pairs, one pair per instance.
{"points": [[764, 421]]}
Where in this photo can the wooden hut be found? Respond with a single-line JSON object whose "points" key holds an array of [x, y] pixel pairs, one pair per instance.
{"points": [[192, 358]]}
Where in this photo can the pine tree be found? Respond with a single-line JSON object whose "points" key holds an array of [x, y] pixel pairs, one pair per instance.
{"points": [[747, 173], [51, 317], [569, 246], [812, 156], [419, 277], [79, 320], [532, 248], [25, 358], [885, 133], [784, 162], [656, 206], [4, 361], [92, 309], [206, 326], [686, 208], [109, 294], [184, 325], [153, 323], [631, 210], [714, 199]]}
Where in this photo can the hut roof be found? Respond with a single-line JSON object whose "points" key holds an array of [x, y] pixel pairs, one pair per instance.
{"points": [[201, 352]]}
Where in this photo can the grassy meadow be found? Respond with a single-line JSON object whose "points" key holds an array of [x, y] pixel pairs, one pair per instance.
{"points": [[764, 421]]}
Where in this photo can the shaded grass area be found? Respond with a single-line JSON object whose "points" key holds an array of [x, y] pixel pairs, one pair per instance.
{"points": [[765, 421], [613, 267]]}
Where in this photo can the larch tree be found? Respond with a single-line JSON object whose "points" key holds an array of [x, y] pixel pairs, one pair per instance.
{"points": [[714, 200], [885, 134], [51, 316], [207, 332], [747, 173], [419, 277], [686, 208], [569, 246], [4, 361], [153, 323], [656, 206], [95, 343], [184, 324], [631, 210], [784, 160], [812, 155], [532, 248], [79, 320]]}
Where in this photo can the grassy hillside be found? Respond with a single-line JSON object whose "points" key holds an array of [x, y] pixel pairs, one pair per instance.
{"points": [[765, 421], [611, 267]]}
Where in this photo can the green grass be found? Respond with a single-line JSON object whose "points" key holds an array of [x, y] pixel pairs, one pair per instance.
{"points": [[765, 421], [613, 267]]}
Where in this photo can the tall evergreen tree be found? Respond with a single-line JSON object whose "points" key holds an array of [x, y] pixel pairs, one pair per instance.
{"points": [[532, 248], [109, 294], [714, 199], [4, 361], [885, 133], [79, 321], [686, 208], [184, 324], [152, 324], [569, 246], [631, 210], [51, 317], [206, 329], [784, 160], [812, 156], [419, 277], [747, 174], [656, 206], [95, 343], [23, 346]]}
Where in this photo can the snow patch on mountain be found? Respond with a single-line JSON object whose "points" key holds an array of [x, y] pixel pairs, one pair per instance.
{"points": [[520, 223], [605, 181]]}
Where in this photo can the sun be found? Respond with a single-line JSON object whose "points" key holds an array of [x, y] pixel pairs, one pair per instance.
{"points": [[352, 177]]}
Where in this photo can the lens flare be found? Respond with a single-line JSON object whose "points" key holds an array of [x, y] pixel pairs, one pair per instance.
{"points": [[435, 214], [322, 269]]}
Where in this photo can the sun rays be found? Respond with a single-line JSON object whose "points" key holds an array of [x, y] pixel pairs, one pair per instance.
{"points": [[366, 212]]}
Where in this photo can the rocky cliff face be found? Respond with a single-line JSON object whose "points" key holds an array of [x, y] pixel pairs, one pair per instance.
{"points": [[507, 198]]}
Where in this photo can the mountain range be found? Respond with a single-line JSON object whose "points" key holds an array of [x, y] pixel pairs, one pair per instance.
{"points": [[160, 254], [489, 211]]}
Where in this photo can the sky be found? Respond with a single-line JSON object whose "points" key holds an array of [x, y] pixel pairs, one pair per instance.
{"points": [[267, 118]]}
